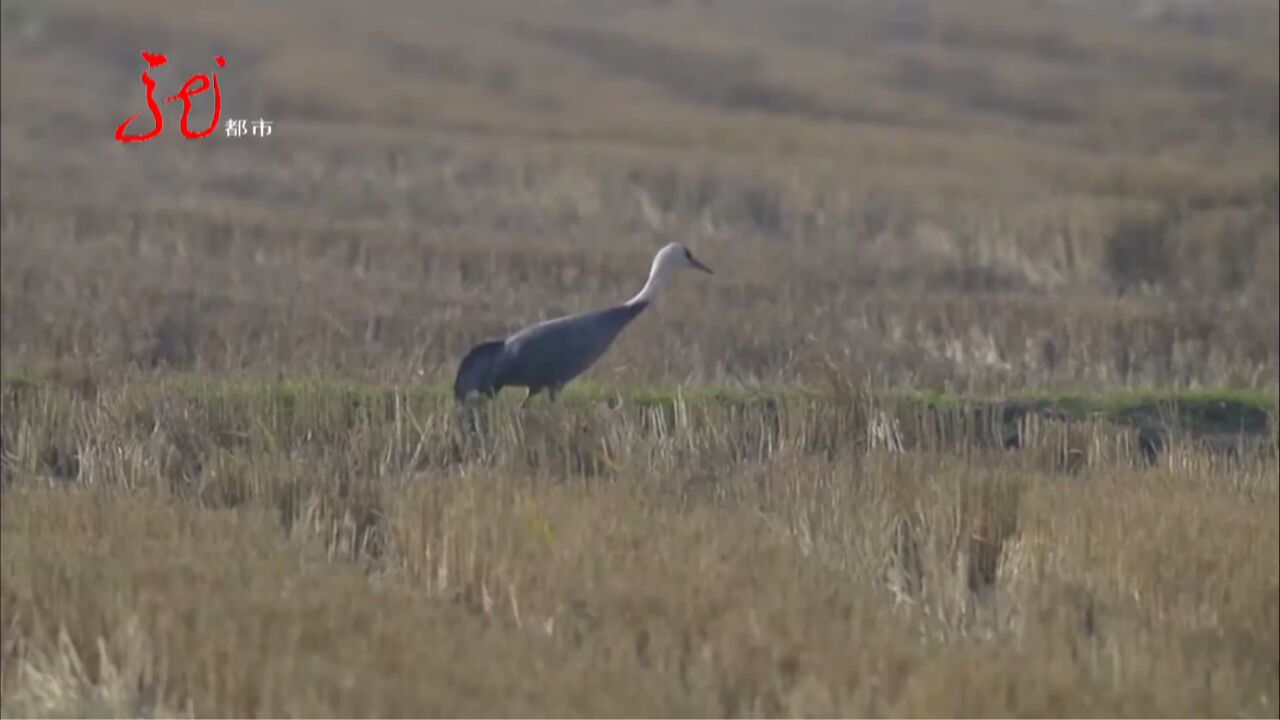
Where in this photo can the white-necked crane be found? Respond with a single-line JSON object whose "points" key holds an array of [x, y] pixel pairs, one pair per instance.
{"points": [[548, 355]]}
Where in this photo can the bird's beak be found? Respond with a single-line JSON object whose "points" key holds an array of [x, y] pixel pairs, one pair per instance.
{"points": [[698, 264]]}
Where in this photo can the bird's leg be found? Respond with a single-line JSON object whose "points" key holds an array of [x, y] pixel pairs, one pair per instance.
{"points": [[529, 393], [553, 393]]}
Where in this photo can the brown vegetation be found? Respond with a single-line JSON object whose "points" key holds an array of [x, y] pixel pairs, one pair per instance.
{"points": [[1002, 195], [989, 197], [307, 550]]}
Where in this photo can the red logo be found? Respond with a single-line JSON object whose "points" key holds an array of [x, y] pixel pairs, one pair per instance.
{"points": [[192, 87]]}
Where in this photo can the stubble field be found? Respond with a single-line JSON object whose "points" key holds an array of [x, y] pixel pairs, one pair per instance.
{"points": [[977, 416]]}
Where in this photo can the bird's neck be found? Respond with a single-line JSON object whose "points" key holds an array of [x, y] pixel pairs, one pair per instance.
{"points": [[658, 277]]}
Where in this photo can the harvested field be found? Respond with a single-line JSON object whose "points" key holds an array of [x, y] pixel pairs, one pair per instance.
{"points": [[977, 417]]}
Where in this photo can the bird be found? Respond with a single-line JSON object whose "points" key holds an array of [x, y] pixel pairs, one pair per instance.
{"points": [[550, 354]]}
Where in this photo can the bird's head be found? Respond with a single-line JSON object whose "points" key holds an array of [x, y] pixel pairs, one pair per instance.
{"points": [[677, 257], [669, 259]]}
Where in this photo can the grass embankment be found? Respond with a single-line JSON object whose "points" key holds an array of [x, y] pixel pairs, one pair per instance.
{"points": [[1208, 411]]}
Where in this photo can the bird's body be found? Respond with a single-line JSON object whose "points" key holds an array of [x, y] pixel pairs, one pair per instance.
{"points": [[551, 353], [554, 352]]}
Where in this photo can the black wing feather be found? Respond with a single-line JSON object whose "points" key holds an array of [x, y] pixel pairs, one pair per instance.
{"points": [[478, 371]]}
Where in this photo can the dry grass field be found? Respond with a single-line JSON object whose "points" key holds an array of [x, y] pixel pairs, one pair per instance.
{"points": [[977, 416]]}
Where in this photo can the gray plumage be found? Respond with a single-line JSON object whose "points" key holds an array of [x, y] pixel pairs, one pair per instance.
{"points": [[550, 354]]}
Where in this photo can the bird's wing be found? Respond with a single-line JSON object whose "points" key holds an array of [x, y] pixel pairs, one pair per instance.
{"points": [[554, 352]]}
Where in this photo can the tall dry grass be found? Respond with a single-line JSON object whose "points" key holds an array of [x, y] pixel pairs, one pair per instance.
{"points": [[239, 551]]}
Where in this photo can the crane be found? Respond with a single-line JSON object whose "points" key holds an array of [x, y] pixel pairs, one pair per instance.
{"points": [[551, 353]]}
